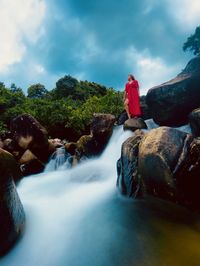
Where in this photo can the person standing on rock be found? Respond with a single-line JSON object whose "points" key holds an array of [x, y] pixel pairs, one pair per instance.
{"points": [[132, 98]]}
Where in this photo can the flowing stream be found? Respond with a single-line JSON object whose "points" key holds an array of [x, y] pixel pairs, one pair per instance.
{"points": [[76, 217]]}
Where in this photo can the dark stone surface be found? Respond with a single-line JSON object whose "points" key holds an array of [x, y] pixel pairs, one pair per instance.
{"points": [[100, 133], [30, 134], [194, 120], [127, 167], [134, 123], [170, 103], [12, 216], [160, 153], [165, 163]]}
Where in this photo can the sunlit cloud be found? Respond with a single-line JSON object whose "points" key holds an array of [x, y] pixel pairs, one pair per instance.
{"points": [[150, 71], [185, 13], [20, 22]]}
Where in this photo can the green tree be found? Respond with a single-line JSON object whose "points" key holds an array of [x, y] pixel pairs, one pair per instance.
{"points": [[37, 91], [193, 42], [65, 86]]}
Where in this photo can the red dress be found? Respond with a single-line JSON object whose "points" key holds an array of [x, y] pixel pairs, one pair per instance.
{"points": [[132, 90]]}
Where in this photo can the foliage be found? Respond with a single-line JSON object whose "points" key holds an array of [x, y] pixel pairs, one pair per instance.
{"points": [[65, 111], [37, 91], [193, 42]]}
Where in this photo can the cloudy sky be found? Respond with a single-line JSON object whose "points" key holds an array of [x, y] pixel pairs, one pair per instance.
{"points": [[101, 41]]}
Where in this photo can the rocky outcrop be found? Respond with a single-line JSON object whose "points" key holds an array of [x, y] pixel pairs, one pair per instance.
{"points": [[134, 123], [161, 152], [30, 134], [92, 145], [194, 120], [12, 217], [127, 166], [170, 103], [165, 163], [187, 177], [122, 118]]}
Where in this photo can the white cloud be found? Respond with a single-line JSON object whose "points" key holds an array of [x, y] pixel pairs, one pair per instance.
{"points": [[185, 13], [20, 20], [149, 71]]}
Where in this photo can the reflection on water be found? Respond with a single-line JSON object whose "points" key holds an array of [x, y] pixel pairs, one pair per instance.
{"points": [[75, 217]]}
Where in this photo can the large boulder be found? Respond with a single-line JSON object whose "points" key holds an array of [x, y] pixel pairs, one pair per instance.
{"points": [[134, 123], [102, 125], [127, 166], [30, 134], [187, 176], [12, 216], [160, 153], [165, 163], [93, 144], [194, 120], [170, 103]]}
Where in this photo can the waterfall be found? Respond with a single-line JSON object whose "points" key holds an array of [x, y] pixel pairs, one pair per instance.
{"points": [[75, 217], [58, 159]]}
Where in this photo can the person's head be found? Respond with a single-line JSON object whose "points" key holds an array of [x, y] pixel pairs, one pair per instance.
{"points": [[131, 77]]}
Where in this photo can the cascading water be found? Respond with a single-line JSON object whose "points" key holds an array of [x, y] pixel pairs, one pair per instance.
{"points": [[76, 218]]}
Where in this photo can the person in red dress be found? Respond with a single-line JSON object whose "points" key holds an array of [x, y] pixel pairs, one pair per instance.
{"points": [[132, 98]]}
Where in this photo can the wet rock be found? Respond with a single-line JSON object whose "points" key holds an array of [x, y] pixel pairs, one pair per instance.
{"points": [[165, 163], [93, 144], [194, 120], [12, 216], [122, 118], [71, 147], [127, 166], [29, 164], [30, 134], [160, 153], [134, 124], [102, 125], [187, 177], [170, 103]]}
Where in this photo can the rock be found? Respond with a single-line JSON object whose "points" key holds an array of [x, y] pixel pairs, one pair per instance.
{"points": [[187, 177], [127, 166], [160, 153], [134, 124], [32, 167], [29, 164], [12, 216], [146, 113], [165, 163], [122, 118], [86, 146], [27, 157], [56, 142], [170, 103], [100, 133], [11, 146], [30, 134], [102, 125], [194, 120], [71, 147]]}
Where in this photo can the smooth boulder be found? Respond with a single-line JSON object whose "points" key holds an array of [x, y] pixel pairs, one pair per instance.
{"points": [[12, 216], [134, 123], [171, 102], [161, 152], [127, 166]]}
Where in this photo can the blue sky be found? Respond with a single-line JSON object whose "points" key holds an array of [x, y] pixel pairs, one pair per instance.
{"points": [[100, 41]]}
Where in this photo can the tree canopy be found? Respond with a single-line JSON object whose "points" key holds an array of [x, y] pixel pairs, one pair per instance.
{"points": [[65, 111], [193, 42]]}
